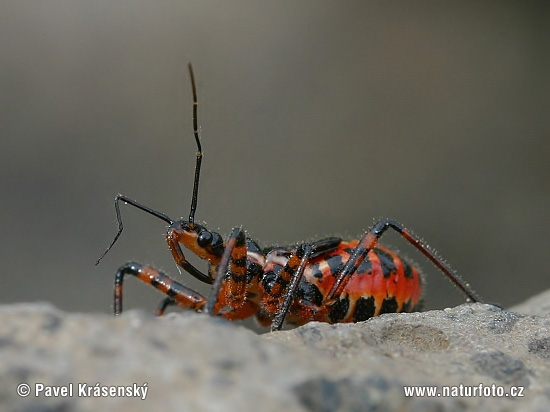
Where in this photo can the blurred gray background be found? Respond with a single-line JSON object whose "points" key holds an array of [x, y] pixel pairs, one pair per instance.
{"points": [[316, 118]]}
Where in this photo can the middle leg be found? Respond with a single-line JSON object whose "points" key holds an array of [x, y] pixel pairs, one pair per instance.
{"points": [[229, 288], [292, 275]]}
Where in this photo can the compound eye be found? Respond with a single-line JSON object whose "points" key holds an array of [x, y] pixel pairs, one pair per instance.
{"points": [[204, 238]]}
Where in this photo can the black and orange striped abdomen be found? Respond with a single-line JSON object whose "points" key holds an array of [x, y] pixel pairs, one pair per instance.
{"points": [[383, 283]]}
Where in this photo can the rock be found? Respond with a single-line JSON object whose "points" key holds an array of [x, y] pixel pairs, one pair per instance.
{"points": [[537, 305], [192, 362]]}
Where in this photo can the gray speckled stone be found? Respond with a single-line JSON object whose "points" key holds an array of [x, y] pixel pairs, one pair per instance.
{"points": [[192, 362], [537, 305]]}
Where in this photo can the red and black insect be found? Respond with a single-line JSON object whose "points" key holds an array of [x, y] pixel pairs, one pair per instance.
{"points": [[330, 280]]}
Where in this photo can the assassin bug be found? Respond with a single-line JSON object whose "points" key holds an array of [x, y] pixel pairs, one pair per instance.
{"points": [[330, 280]]}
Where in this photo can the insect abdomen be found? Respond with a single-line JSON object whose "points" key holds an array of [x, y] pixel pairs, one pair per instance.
{"points": [[383, 283]]}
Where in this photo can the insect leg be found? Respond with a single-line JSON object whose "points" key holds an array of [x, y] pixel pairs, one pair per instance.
{"points": [[181, 295], [324, 246], [291, 275], [173, 244], [229, 288], [370, 239], [172, 237], [163, 305]]}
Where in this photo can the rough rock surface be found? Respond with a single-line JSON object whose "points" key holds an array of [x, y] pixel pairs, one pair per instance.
{"points": [[192, 362], [538, 305]]}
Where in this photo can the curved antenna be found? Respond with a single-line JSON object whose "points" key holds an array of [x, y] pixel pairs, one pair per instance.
{"points": [[199, 149], [127, 200]]}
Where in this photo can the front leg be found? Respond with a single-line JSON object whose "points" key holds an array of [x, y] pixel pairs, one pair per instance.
{"points": [[172, 238], [181, 295], [161, 308]]}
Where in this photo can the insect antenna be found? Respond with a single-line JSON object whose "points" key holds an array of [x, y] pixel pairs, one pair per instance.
{"points": [[127, 200], [199, 150], [195, 182]]}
